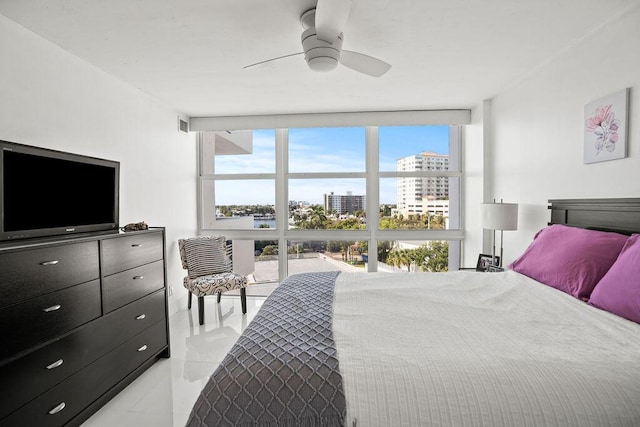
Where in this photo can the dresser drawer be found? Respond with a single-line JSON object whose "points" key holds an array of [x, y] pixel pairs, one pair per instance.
{"points": [[72, 395], [25, 274], [125, 322], [130, 285], [45, 317], [33, 374], [131, 251]]}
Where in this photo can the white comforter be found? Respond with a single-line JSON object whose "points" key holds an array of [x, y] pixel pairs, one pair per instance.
{"points": [[491, 349]]}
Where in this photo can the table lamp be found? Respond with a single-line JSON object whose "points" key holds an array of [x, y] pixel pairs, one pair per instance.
{"points": [[499, 216]]}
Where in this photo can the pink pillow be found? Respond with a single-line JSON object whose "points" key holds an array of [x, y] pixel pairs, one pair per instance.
{"points": [[570, 259], [619, 290]]}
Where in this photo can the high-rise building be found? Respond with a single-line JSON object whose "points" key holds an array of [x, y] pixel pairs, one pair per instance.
{"points": [[416, 195], [344, 204]]}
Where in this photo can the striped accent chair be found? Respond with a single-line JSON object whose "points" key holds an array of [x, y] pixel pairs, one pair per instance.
{"points": [[209, 268]]}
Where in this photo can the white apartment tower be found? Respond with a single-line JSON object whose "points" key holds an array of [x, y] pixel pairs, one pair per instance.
{"points": [[421, 194]]}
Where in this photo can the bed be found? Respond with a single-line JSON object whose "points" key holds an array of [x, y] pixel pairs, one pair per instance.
{"points": [[554, 340]]}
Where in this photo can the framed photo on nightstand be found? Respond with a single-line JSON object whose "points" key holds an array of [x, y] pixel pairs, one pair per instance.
{"points": [[485, 263]]}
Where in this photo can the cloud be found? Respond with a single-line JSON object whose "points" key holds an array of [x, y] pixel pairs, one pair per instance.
{"points": [[245, 192], [312, 153]]}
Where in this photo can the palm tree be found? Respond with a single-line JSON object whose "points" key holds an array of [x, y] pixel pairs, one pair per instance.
{"points": [[407, 256], [434, 256], [400, 258], [317, 217], [383, 251]]}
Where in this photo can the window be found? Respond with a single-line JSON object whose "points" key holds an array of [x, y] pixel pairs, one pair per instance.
{"points": [[323, 198], [258, 156], [419, 177]]}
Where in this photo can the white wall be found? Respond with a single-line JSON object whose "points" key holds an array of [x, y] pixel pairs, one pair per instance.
{"points": [[50, 98], [473, 185], [538, 128]]}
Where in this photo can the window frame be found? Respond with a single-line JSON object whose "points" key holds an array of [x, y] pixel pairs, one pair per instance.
{"points": [[371, 175]]}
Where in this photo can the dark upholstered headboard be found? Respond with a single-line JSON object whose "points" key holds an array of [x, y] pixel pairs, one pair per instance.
{"points": [[619, 215]]}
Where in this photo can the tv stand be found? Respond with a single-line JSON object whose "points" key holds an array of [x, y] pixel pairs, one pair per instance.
{"points": [[81, 317]]}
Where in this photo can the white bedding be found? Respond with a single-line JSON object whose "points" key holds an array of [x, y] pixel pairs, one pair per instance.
{"points": [[492, 349]]}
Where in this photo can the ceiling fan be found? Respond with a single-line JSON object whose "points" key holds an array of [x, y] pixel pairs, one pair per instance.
{"points": [[322, 41]]}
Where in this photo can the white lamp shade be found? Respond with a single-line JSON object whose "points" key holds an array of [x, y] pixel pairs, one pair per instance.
{"points": [[499, 216]]}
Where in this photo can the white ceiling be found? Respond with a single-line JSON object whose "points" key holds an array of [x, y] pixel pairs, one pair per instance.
{"points": [[189, 54]]}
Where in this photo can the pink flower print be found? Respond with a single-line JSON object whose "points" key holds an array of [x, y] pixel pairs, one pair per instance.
{"points": [[604, 125]]}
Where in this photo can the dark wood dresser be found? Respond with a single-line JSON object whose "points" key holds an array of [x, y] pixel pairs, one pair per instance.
{"points": [[80, 318]]}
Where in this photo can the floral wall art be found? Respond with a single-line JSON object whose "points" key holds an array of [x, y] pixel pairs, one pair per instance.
{"points": [[605, 125]]}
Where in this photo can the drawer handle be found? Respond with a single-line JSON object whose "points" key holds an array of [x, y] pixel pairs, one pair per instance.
{"points": [[136, 245], [142, 316], [55, 364], [138, 277], [54, 262], [52, 308], [143, 348], [58, 408]]}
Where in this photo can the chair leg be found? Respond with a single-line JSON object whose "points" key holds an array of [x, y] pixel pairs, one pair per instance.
{"points": [[219, 295], [201, 310], [189, 301], [243, 300]]}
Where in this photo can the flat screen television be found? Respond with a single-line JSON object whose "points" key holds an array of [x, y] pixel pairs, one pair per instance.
{"points": [[46, 192]]}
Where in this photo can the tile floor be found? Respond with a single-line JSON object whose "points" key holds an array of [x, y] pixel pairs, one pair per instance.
{"points": [[164, 394]]}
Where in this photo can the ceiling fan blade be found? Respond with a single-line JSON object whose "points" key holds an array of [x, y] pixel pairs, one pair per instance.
{"points": [[331, 18], [273, 59], [364, 63]]}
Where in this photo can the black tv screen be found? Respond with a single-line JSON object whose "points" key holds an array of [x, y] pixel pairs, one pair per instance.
{"points": [[47, 192]]}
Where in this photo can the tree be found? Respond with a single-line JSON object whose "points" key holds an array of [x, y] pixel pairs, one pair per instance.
{"points": [[401, 257], [225, 210], [433, 256], [344, 224], [388, 224], [436, 256], [385, 210], [436, 222], [259, 245], [384, 247], [317, 217], [334, 246], [270, 250]]}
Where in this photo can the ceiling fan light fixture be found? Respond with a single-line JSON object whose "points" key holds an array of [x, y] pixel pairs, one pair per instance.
{"points": [[322, 63], [319, 54]]}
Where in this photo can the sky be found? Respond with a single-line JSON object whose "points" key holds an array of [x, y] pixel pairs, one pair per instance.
{"points": [[323, 150]]}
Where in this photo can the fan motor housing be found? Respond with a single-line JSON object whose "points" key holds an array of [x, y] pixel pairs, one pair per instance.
{"points": [[319, 54]]}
